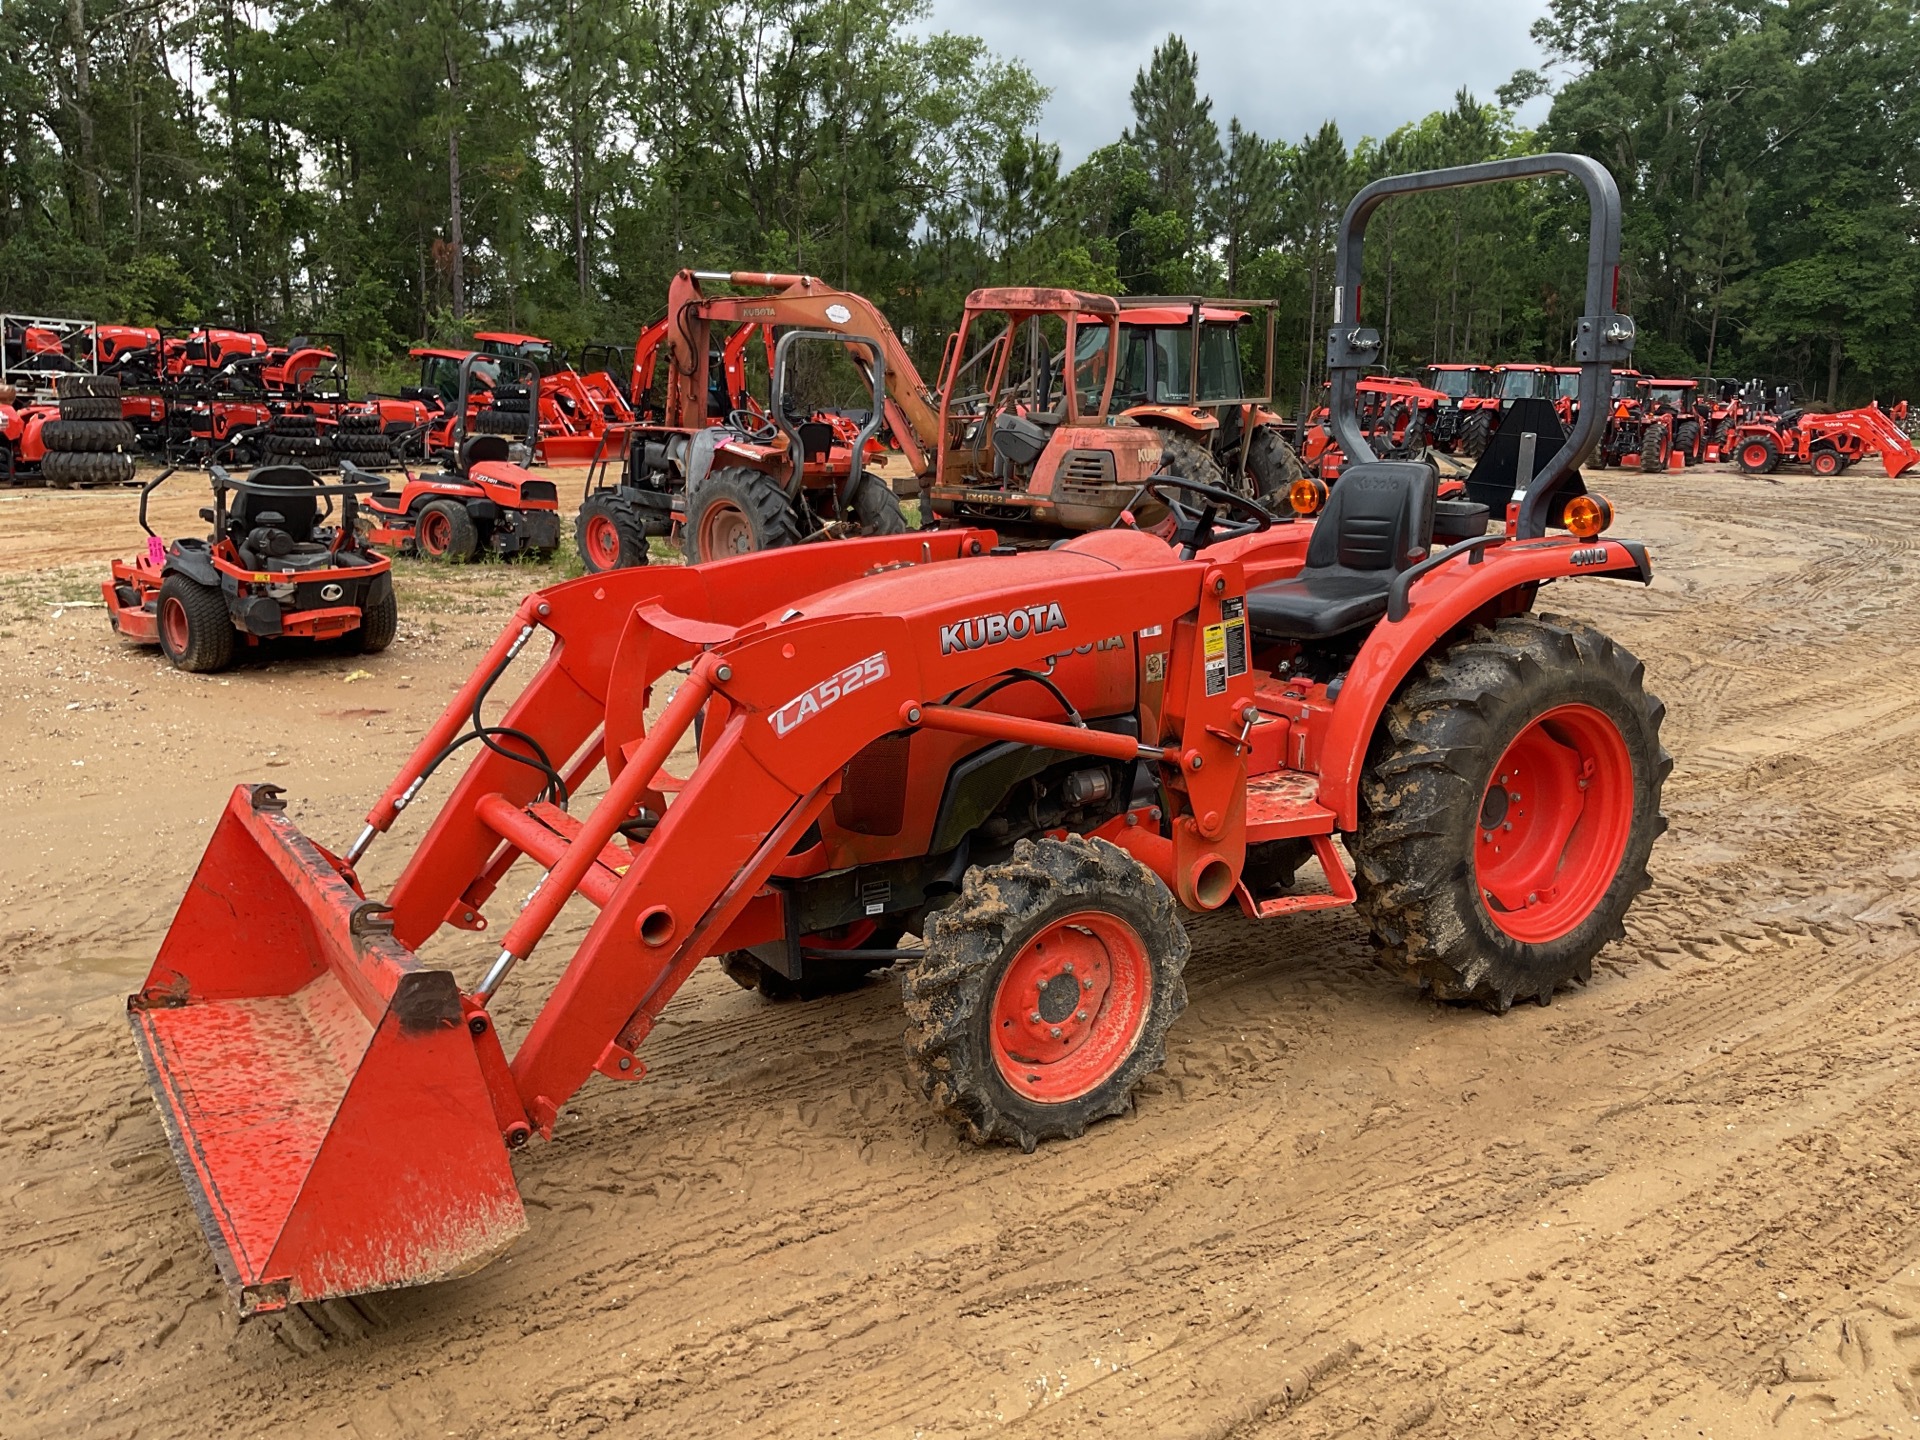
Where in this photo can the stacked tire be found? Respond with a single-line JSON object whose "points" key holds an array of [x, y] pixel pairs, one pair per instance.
{"points": [[294, 440], [361, 439], [89, 444], [506, 412]]}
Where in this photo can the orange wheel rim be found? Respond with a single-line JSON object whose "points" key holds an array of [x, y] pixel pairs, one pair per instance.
{"points": [[1071, 1007], [1553, 824]]}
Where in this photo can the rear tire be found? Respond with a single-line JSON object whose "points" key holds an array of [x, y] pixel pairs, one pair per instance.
{"points": [[1686, 440], [877, 509], [737, 511], [1758, 456], [1507, 815], [379, 623], [62, 470], [444, 531], [1190, 460], [1655, 442], [1475, 433], [1272, 466], [196, 632], [607, 537], [998, 990]]}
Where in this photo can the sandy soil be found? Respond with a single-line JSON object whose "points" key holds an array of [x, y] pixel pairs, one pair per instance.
{"points": [[1682, 1201]]}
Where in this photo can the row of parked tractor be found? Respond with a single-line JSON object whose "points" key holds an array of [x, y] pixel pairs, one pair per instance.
{"points": [[232, 395], [1653, 423]]}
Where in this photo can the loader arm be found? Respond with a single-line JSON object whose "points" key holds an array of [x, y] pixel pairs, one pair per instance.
{"points": [[796, 300]]}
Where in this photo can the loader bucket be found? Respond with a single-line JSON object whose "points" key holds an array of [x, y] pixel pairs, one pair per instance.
{"points": [[320, 1088]]}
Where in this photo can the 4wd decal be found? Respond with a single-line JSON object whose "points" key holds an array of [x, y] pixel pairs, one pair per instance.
{"points": [[994, 629], [1597, 555], [809, 703]]}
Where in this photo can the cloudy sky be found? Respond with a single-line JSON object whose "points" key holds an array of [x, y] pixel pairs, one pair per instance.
{"points": [[1282, 66]]}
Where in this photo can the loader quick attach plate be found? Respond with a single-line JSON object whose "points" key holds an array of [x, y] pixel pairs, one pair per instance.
{"points": [[319, 1088]]}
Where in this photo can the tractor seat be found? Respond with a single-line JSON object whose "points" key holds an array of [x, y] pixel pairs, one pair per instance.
{"points": [[1019, 439], [1378, 523]]}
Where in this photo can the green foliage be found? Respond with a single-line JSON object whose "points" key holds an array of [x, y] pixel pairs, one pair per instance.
{"points": [[417, 170]]}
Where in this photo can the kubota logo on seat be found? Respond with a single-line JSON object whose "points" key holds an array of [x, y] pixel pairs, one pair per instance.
{"points": [[992, 629]]}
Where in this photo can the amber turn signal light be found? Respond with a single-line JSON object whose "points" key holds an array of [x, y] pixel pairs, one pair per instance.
{"points": [[1307, 495], [1587, 515]]}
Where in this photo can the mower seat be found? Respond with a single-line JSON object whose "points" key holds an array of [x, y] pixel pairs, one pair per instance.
{"points": [[478, 448], [1378, 523], [298, 513]]}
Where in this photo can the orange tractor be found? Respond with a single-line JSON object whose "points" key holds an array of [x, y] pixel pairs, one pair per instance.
{"points": [[1053, 406], [1826, 444], [1465, 417], [1008, 774]]}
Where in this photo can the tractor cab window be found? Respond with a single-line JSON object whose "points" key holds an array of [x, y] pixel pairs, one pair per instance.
{"points": [[1092, 352], [545, 358], [1623, 386], [1567, 387], [1219, 363], [1454, 384], [1519, 385], [441, 375], [1131, 385], [1674, 397], [1033, 384]]}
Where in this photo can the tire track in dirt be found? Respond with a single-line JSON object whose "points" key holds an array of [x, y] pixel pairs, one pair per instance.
{"points": [[1339, 1210]]}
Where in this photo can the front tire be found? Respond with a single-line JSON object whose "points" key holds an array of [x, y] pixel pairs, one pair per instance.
{"points": [[1476, 433], [1046, 992], [1507, 818], [196, 632], [607, 537]]}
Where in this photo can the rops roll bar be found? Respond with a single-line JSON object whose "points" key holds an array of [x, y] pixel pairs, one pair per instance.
{"points": [[876, 373], [1603, 339]]}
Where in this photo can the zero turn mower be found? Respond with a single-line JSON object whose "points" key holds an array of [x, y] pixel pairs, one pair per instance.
{"points": [[1035, 762], [272, 568]]}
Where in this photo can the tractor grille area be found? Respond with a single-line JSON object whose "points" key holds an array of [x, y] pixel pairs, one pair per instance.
{"points": [[1085, 470], [873, 788]]}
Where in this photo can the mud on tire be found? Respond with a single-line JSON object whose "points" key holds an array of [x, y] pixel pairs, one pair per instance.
{"points": [[1190, 460], [1446, 785], [973, 1028]]}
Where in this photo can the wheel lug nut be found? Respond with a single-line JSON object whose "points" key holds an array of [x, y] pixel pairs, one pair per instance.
{"points": [[1507, 826], [1055, 1032], [1068, 967], [1086, 984], [1035, 1017], [1080, 1015]]}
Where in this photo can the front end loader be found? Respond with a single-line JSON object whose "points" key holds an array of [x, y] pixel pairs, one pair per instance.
{"points": [[1007, 774]]}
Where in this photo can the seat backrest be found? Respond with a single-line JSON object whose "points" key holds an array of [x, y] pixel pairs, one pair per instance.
{"points": [[299, 513], [1379, 516], [816, 439], [479, 448]]}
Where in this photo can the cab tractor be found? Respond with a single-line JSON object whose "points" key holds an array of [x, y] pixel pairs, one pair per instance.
{"points": [[1465, 418], [1008, 774]]}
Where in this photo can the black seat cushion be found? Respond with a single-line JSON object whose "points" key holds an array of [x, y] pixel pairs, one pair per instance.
{"points": [[1378, 522]]}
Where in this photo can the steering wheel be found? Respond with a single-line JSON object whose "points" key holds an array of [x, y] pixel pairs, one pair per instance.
{"points": [[1195, 527], [751, 424]]}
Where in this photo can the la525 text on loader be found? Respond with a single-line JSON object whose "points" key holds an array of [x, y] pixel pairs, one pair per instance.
{"points": [[1038, 762]]}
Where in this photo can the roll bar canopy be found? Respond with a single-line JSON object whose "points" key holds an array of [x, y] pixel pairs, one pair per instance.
{"points": [[1603, 339]]}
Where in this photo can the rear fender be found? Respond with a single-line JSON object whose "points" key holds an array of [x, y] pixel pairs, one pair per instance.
{"points": [[1173, 417], [1441, 601]]}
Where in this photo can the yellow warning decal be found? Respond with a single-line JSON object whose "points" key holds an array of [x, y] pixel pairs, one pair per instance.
{"points": [[1216, 641]]}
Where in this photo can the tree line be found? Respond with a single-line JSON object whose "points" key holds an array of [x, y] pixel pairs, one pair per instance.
{"points": [[400, 171]]}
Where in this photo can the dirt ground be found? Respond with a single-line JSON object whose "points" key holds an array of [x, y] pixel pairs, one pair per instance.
{"points": [[1684, 1200]]}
